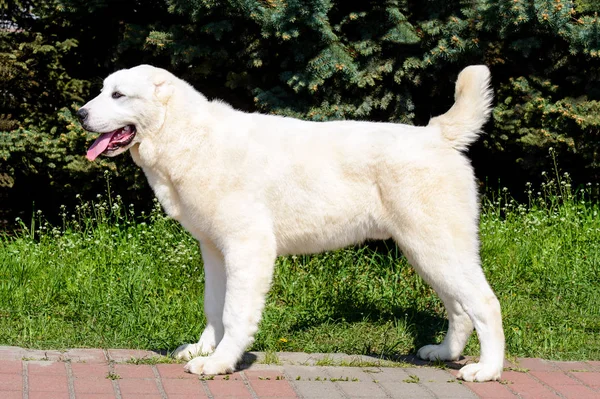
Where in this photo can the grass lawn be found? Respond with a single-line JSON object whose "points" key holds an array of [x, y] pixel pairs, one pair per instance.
{"points": [[103, 279]]}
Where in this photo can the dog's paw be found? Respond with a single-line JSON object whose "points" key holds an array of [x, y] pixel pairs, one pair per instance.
{"points": [[208, 365], [436, 352], [190, 351], [480, 372]]}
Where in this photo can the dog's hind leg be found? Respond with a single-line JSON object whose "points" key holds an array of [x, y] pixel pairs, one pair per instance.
{"points": [[214, 300], [249, 263], [440, 241]]}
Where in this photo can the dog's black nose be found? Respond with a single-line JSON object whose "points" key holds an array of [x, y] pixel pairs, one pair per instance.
{"points": [[82, 114]]}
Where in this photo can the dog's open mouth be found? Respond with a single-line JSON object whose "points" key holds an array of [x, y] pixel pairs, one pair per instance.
{"points": [[111, 141]]}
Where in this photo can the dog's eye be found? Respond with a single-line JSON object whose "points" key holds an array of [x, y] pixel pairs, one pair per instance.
{"points": [[116, 95]]}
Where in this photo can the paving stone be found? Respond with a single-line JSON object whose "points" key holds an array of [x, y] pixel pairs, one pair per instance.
{"points": [[576, 392], [236, 376], [414, 360], [449, 390], [260, 366], [595, 364], [49, 383], [266, 374], [426, 374], [96, 396], [318, 389], [358, 373], [93, 385], [138, 386], [11, 353], [191, 388], [86, 355], [186, 396], [174, 371], [124, 355], [508, 364], [573, 366], [11, 382], [48, 395], [46, 368], [515, 377], [306, 373], [85, 370], [361, 389], [533, 364], [48, 355], [224, 388], [553, 378], [405, 390], [140, 396], [591, 379], [11, 367], [134, 371], [525, 385], [47, 379], [532, 390], [272, 388], [387, 374], [491, 390]]}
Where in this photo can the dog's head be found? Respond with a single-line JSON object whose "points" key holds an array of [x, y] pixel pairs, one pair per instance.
{"points": [[131, 106]]}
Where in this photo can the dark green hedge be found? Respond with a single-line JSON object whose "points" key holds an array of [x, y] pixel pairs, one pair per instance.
{"points": [[320, 60]]}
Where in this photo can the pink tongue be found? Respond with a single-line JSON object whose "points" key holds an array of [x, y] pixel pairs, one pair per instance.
{"points": [[99, 145]]}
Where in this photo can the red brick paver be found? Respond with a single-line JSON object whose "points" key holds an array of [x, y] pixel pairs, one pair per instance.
{"points": [[526, 386], [190, 388], [174, 371], [93, 385], [48, 383], [138, 386], [229, 389], [11, 367], [98, 374], [86, 370], [11, 382], [128, 371], [590, 379], [490, 390]]}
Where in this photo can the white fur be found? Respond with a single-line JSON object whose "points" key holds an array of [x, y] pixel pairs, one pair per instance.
{"points": [[251, 187]]}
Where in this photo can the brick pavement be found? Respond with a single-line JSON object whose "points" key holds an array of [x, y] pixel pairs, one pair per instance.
{"points": [[125, 374]]}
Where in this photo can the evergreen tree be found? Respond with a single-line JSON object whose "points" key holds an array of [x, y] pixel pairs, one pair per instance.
{"points": [[380, 60], [41, 142], [376, 60]]}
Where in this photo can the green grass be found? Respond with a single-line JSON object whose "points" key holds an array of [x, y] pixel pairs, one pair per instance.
{"points": [[103, 279]]}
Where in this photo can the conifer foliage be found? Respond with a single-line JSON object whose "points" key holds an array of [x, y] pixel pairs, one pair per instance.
{"points": [[381, 60], [394, 61]]}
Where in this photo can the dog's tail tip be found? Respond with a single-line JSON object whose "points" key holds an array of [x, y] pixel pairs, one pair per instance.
{"points": [[473, 96]]}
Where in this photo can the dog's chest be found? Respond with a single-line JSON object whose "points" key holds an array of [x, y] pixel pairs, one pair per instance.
{"points": [[146, 157]]}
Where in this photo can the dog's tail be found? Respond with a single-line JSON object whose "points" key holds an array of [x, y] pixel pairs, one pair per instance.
{"points": [[461, 125]]}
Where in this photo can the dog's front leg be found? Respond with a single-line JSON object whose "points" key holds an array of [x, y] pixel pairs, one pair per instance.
{"points": [[249, 266], [214, 301]]}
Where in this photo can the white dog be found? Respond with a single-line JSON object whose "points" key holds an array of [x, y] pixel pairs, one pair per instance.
{"points": [[251, 187]]}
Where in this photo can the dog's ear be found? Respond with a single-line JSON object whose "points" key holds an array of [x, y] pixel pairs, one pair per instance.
{"points": [[163, 87]]}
